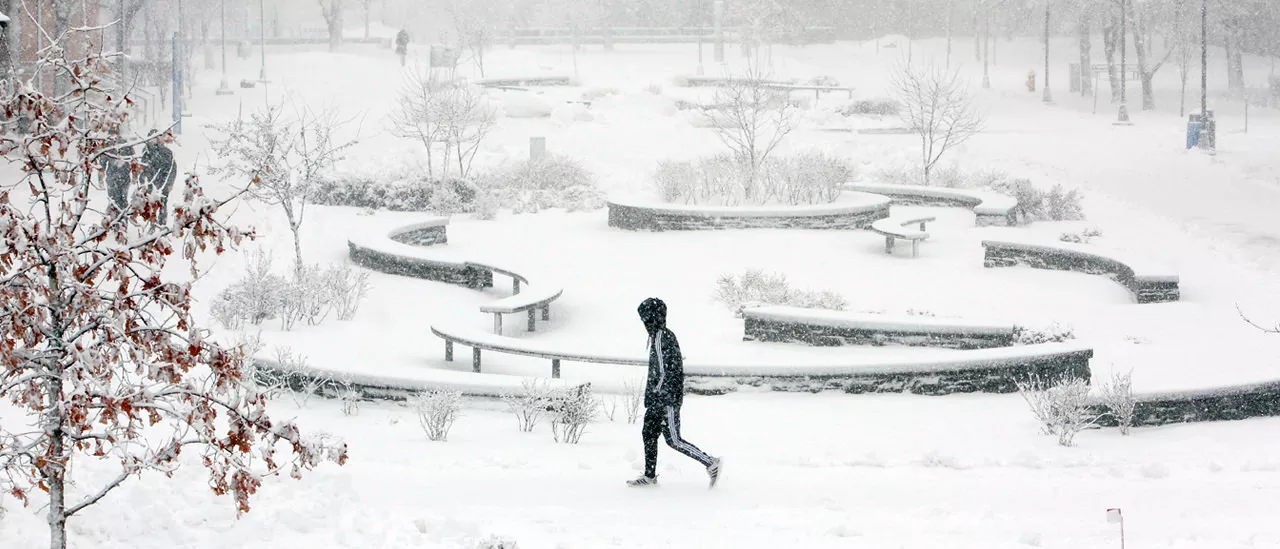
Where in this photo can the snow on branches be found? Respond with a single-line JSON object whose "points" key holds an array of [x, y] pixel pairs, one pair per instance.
{"points": [[98, 346]]}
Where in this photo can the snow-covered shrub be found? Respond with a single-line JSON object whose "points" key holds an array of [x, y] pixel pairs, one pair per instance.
{"points": [[803, 178], [1061, 407], [875, 107], [486, 206], [304, 298], [592, 94], [302, 382], [346, 288], [1051, 334], [396, 192], [1117, 396], [551, 182], [1063, 205], [822, 80], [948, 176], [348, 395], [755, 287], [437, 409], [655, 89], [529, 405], [572, 409], [610, 408], [1082, 237], [634, 395], [497, 542], [254, 298]]}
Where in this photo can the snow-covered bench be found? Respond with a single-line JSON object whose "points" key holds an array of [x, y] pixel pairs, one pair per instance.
{"points": [[1148, 282], [533, 298], [817, 90], [989, 207], [940, 372], [383, 246], [894, 229], [821, 327]]}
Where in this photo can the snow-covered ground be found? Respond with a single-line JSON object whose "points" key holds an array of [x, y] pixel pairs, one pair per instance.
{"points": [[802, 470]]}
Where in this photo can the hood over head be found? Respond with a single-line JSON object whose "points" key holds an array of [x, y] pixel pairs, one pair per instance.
{"points": [[653, 312]]}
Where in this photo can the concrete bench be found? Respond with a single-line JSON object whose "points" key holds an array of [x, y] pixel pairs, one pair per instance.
{"points": [[895, 229], [816, 89], [479, 341], [1149, 283], [989, 207], [515, 81], [532, 299], [411, 249]]}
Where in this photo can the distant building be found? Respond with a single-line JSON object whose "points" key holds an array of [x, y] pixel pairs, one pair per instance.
{"points": [[26, 40]]}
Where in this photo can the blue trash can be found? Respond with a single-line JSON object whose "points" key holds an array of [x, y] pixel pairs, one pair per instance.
{"points": [[1194, 125]]}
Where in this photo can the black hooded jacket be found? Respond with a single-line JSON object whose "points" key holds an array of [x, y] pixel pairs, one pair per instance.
{"points": [[665, 383]]}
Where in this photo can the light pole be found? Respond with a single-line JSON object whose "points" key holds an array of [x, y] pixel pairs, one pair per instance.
{"points": [[1204, 59], [1048, 98], [1123, 116], [122, 36], [262, 40], [223, 89]]}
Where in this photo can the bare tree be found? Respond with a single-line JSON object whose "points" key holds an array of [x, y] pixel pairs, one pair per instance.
{"points": [[332, 12], [936, 106], [474, 22], [752, 119], [1141, 22], [100, 355], [444, 113], [285, 155]]}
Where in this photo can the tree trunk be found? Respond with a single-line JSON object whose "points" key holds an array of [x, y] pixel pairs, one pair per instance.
{"points": [[1110, 37], [950, 12], [1084, 34], [1235, 62], [977, 36], [1145, 71], [54, 472], [205, 45], [986, 56], [334, 21], [367, 9]]}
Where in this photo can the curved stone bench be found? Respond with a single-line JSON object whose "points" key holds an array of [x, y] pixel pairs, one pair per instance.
{"points": [[396, 385], [1147, 282], [1215, 404], [825, 328], [986, 370], [894, 229], [400, 248], [855, 210], [989, 207]]}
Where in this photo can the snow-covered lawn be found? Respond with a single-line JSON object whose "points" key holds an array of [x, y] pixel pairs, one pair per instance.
{"points": [[825, 470]]}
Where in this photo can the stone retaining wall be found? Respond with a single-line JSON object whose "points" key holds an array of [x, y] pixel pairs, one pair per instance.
{"points": [[1144, 291], [1262, 400], [464, 275], [756, 329], [639, 218], [987, 380]]}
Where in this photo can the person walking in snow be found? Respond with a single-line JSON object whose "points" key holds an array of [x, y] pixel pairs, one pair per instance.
{"points": [[402, 45], [159, 171], [117, 173], [663, 396]]}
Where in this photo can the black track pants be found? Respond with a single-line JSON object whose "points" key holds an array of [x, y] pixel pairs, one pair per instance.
{"points": [[665, 421]]}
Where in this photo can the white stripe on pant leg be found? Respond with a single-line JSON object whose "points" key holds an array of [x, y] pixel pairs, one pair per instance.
{"points": [[678, 442]]}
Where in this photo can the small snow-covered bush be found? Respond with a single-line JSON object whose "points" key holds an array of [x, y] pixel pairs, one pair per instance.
{"points": [[1051, 334], [254, 298], [551, 182], [1117, 396], [1082, 237], [346, 288], [655, 89], [437, 410], [1061, 407], [874, 107], [948, 176], [634, 394], [529, 405], [754, 287], [1063, 205], [1057, 204], [497, 542], [803, 178], [302, 382], [572, 409]]}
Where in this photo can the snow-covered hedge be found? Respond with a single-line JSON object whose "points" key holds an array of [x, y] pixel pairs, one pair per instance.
{"points": [[1057, 204], [755, 288], [404, 194], [803, 178], [880, 107], [552, 182], [312, 294]]}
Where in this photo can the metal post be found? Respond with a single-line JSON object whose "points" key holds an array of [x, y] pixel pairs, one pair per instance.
{"points": [[122, 37], [1204, 59], [1123, 116], [223, 89], [1048, 98]]}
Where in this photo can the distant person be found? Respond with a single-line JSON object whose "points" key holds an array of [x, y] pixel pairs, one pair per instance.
{"points": [[663, 396], [159, 171], [118, 166], [402, 45]]}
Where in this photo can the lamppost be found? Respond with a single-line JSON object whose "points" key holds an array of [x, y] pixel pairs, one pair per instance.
{"points": [[122, 36], [1204, 59], [1123, 116], [223, 89], [262, 40], [1048, 98]]}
